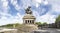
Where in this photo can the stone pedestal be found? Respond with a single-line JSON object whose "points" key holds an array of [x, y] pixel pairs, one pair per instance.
{"points": [[29, 19]]}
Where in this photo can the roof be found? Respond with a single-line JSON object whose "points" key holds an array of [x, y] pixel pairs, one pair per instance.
{"points": [[28, 16]]}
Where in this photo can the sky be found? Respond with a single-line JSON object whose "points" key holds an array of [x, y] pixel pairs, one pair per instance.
{"points": [[12, 11]]}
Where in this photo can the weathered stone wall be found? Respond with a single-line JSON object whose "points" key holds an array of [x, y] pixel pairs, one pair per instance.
{"points": [[26, 28]]}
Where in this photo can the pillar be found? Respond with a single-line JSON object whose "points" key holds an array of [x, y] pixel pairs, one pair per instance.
{"points": [[30, 21], [24, 21], [27, 21], [33, 21]]}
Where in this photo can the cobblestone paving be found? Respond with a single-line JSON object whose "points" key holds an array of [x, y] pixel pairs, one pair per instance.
{"points": [[51, 30]]}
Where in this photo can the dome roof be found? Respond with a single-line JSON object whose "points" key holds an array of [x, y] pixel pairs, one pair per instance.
{"points": [[28, 16]]}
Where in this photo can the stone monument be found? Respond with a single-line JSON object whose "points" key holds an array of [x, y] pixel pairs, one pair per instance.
{"points": [[28, 18]]}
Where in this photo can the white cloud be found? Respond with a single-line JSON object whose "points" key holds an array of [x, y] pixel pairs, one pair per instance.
{"points": [[3, 0], [48, 18], [55, 5], [11, 19], [18, 18], [45, 2], [56, 8], [5, 4], [17, 7], [45, 18], [14, 2], [36, 2], [7, 18], [39, 1]]}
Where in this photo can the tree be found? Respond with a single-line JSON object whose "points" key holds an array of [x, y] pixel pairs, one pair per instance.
{"points": [[57, 22], [11, 25], [38, 23], [44, 23], [58, 19]]}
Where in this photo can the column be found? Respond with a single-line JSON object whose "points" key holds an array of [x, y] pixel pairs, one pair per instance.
{"points": [[33, 21], [23, 21], [30, 21], [27, 21]]}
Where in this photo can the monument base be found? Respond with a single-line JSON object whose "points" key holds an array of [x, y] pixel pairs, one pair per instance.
{"points": [[33, 26], [27, 28]]}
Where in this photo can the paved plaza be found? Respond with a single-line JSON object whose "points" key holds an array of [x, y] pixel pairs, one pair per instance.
{"points": [[51, 30], [48, 30]]}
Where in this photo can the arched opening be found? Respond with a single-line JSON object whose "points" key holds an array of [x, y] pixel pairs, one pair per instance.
{"points": [[26, 21]]}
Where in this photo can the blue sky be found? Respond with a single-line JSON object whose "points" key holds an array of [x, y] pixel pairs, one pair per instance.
{"points": [[12, 11]]}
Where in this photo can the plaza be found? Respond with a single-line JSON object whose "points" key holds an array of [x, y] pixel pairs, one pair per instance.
{"points": [[48, 30]]}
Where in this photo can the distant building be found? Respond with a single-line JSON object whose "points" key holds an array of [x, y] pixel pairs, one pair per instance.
{"points": [[52, 25], [57, 24]]}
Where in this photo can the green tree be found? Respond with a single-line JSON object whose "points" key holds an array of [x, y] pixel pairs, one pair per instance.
{"points": [[45, 23], [57, 22], [58, 19], [38, 23], [11, 25]]}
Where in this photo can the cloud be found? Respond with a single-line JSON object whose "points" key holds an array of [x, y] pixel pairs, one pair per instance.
{"points": [[48, 18], [45, 18], [55, 6], [45, 2], [11, 19], [4, 6], [45, 15], [15, 4], [6, 17], [37, 2]]}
